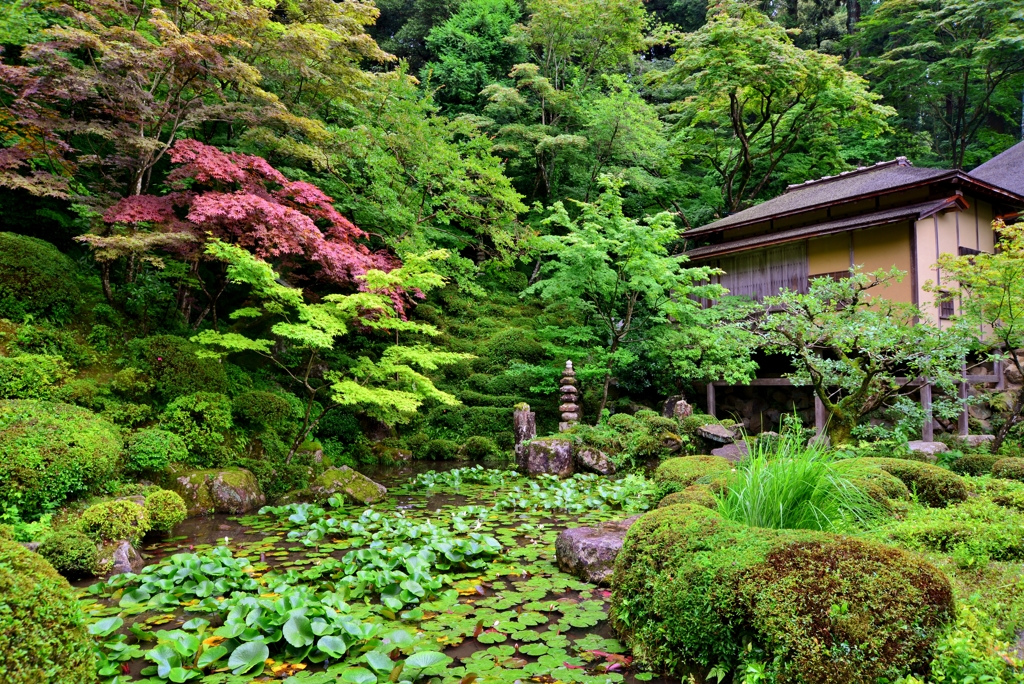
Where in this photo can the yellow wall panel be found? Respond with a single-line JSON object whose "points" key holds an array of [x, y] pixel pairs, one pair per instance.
{"points": [[828, 254], [885, 247]]}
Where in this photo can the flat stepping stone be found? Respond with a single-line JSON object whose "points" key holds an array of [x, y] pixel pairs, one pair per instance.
{"points": [[717, 433], [733, 453], [589, 552]]}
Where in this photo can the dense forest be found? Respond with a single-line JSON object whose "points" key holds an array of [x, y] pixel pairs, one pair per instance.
{"points": [[279, 240]]}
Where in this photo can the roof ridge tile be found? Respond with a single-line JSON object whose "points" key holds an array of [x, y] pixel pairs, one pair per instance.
{"points": [[898, 161]]}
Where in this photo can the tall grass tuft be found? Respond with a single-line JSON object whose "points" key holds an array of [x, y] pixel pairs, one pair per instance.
{"points": [[788, 484]]}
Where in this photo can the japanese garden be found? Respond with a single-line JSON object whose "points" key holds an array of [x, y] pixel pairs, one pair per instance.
{"points": [[512, 341]]}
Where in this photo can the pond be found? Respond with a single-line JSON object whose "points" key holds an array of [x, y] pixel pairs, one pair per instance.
{"points": [[456, 562]]}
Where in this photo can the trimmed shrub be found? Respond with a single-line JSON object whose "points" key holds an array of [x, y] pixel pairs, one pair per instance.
{"points": [[202, 420], [974, 464], [934, 486], [152, 450], [31, 376], [478, 448], [117, 520], [70, 552], [42, 630], [50, 452], [6, 531], [698, 494], [691, 588], [1009, 469], [35, 278], [175, 369], [679, 473], [165, 509], [441, 450], [509, 346], [261, 409]]}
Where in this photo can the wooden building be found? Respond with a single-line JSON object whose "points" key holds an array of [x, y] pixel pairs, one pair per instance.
{"points": [[889, 214]]}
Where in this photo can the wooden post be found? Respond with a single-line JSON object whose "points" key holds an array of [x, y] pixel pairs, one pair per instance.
{"points": [[711, 400], [962, 421], [1000, 376], [819, 413], [928, 431]]}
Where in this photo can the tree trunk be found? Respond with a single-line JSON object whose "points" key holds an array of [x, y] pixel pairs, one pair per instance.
{"points": [[840, 430], [105, 278], [1011, 422]]}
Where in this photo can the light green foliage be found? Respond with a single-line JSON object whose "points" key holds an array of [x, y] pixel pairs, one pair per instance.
{"points": [[35, 278], [70, 552], [681, 472], [617, 272], [165, 509], [579, 493], [32, 376], [117, 520], [851, 345], [202, 421], [749, 103], [42, 629], [789, 484], [390, 388], [955, 64], [150, 451], [630, 439], [50, 452]]}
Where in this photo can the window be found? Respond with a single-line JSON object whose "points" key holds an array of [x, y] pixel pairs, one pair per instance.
{"points": [[967, 251], [946, 307], [762, 273], [834, 275]]}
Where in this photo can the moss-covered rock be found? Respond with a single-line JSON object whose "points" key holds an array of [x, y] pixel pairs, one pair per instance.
{"points": [[117, 520], [42, 629], [354, 487], [118, 558], [50, 452], [680, 473], [70, 552], [933, 485], [974, 464], [691, 589], [698, 494], [225, 490], [166, 509], [1009, 469]]}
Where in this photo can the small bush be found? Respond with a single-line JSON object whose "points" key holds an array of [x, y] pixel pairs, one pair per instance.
{"points": [[1009, 469], [165, 509], [509, 346], [679, 473], [174, 368], [32, 376], [478, 448], [42, 629], [6, 532], [978, 525], [117, 520], [261, 409], [974, 464], [441, 450], [934, 486], [50, 452], [35, 278], [71, 553], [699, 494], [202, 420], [152, 450]]}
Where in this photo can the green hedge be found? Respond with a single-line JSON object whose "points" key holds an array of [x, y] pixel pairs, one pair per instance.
{"points": [[50, 452], [32, 376], [175, 370], [35, 278]]}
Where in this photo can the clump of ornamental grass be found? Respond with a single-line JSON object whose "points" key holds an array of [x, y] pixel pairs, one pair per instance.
{"points": [[786, 483]]}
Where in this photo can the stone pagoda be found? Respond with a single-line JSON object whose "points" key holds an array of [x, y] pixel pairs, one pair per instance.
{"points": [[570, 407]]}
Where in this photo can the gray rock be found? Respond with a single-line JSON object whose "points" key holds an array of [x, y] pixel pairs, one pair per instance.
{"points": [[595, 461], [975, 441], [229, 490], [732, 452], [682, 409], [563, 426], [355, 487], [31, 546], [717, 433], [928, 449], [547, 456], [524, 425], [570, 416], [589, 552], [119, 558]]}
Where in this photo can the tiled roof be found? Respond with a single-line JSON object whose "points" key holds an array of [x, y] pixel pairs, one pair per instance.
{"points": [[1004, 170], [865, 181], [877, 218]]}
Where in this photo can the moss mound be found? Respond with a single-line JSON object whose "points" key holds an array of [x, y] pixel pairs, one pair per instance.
{"points": [[165, 509], [975, 464], [70, 552], [934, 486], [175, 370], [150, 451], [691, 589], [261, 409], [117, 520], [42, 629], [1009, 469], [50, 452], [682, 472], [698, 494], [35, 278]]}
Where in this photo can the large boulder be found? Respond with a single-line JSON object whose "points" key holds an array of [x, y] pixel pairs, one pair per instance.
{"points": [[926, 451], [589, 552], [355, 487], [693, 590], [547, 455], [118, 558], [717, 433], [594, 461], [227, 490], [42, 629], [734, 453]]}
